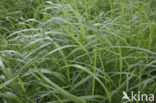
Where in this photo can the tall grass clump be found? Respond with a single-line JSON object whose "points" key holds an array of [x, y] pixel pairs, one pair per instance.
{"points": [[76, 51]]}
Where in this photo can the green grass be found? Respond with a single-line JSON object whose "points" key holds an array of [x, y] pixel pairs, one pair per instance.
{"points": [[76, 51]]}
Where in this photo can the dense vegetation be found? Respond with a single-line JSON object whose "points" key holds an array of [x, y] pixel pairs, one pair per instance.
{"points": [[76, 51]]}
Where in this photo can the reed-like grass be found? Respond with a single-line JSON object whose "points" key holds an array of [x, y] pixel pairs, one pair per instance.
{"points": [[76, 51]]}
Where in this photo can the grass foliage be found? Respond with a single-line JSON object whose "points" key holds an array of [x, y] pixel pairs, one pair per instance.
{"points": [[76, 51]]}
